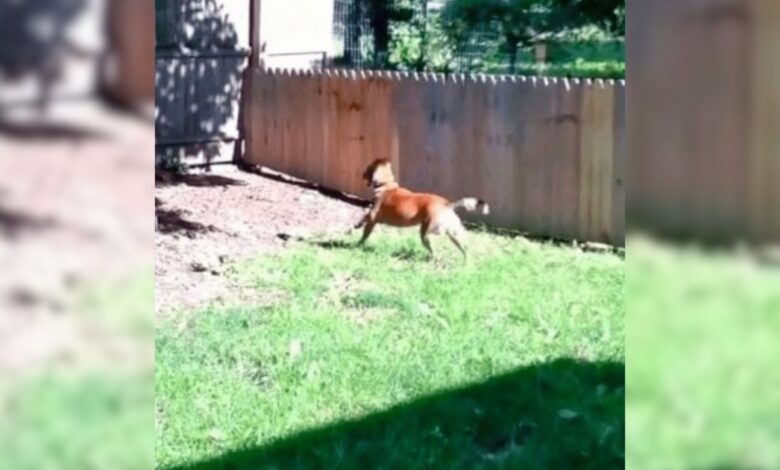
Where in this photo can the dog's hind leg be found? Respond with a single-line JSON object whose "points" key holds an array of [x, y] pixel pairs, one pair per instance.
{"points": [[424, 237], [455, 238], [367, 231]]}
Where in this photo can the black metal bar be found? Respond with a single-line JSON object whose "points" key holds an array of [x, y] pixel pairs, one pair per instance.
{"points": [[167, 53], [195, 141], [280, 54]]}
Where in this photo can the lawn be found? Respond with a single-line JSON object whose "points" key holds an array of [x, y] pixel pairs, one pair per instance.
{"points": [[576, 59], [702, 354], [377, 358], [78, 411]]}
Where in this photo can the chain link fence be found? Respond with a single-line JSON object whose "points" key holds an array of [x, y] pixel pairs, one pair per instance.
{"points": [[417, 42], [421, 36]]}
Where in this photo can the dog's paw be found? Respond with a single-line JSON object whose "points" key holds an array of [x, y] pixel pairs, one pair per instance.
{"points": [[439, 264]]}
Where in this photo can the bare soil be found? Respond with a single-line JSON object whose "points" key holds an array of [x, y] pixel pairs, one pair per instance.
{"points": [[75, 214], [206, 220]]}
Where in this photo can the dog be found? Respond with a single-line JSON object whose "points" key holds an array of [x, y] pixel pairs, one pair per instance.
{"points": [[399, 207]]}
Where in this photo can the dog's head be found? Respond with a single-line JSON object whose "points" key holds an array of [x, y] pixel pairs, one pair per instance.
{"points": [[379, 172]]}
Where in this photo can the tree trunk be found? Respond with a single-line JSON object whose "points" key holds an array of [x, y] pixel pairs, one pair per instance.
{"points": [[513, 50], [352, 34], [380, 24], [421, 61]]}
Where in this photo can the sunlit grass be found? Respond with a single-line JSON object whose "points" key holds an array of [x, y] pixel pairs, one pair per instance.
{"points": [[93, 405], [702, 359], [344, 333]]}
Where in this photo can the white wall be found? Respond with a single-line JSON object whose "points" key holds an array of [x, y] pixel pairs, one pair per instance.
{"points": [[237, 13], [296, 26]]}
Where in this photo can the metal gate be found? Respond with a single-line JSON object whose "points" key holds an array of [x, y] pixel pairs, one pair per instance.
{"points": [[202, 49]]}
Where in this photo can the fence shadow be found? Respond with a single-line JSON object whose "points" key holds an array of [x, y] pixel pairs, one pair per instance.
{"points": [[49, 131], [559, 414], [283, 178], [197, 93], [618, 251], [200, 180]]}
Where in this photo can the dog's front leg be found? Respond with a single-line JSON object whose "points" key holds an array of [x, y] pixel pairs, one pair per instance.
{"points": [[362, 220], [367, 231], [368, 216], [369, 221]]}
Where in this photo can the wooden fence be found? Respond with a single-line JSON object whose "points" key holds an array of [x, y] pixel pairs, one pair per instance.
{"points": [[704, 133], [548, 155], [128, 76]]}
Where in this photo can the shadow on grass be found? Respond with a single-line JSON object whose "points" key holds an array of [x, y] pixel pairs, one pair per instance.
{"points": [[334, 244], [403, 254], [410, 254], [619, 251], [561, 414], [726, 466], [342, 245]]}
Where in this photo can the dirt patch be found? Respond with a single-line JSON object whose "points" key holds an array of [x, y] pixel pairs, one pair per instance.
{"points": [[75, 213], [206, 220]]}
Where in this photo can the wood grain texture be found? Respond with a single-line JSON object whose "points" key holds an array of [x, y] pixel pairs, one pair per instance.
{"points": [[546, 154], [704, 141]]}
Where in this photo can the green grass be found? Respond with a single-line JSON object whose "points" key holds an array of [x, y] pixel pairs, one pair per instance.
{"points": [[605, 69], [576, 59], [703, 377], [68, 420], [588, 52], [82, 412], [376, 358]]}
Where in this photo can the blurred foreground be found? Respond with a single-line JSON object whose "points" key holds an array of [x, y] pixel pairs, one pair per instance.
{"points": [[702, 349], [77, 290], [703, 142], [76, 237]]}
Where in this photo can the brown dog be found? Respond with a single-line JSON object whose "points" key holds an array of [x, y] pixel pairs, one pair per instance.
{"points": [[399, 207]]}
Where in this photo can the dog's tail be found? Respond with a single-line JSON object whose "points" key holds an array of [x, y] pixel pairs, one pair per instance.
{"points": [[471, 204]]}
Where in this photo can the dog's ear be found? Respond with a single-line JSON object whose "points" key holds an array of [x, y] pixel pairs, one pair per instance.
{"points": [[369, 172], [368, 175]]}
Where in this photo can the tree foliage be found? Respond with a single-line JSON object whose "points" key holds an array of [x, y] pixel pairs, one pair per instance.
{"points": [[476, 34], [380, 14], [522, 22]]}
